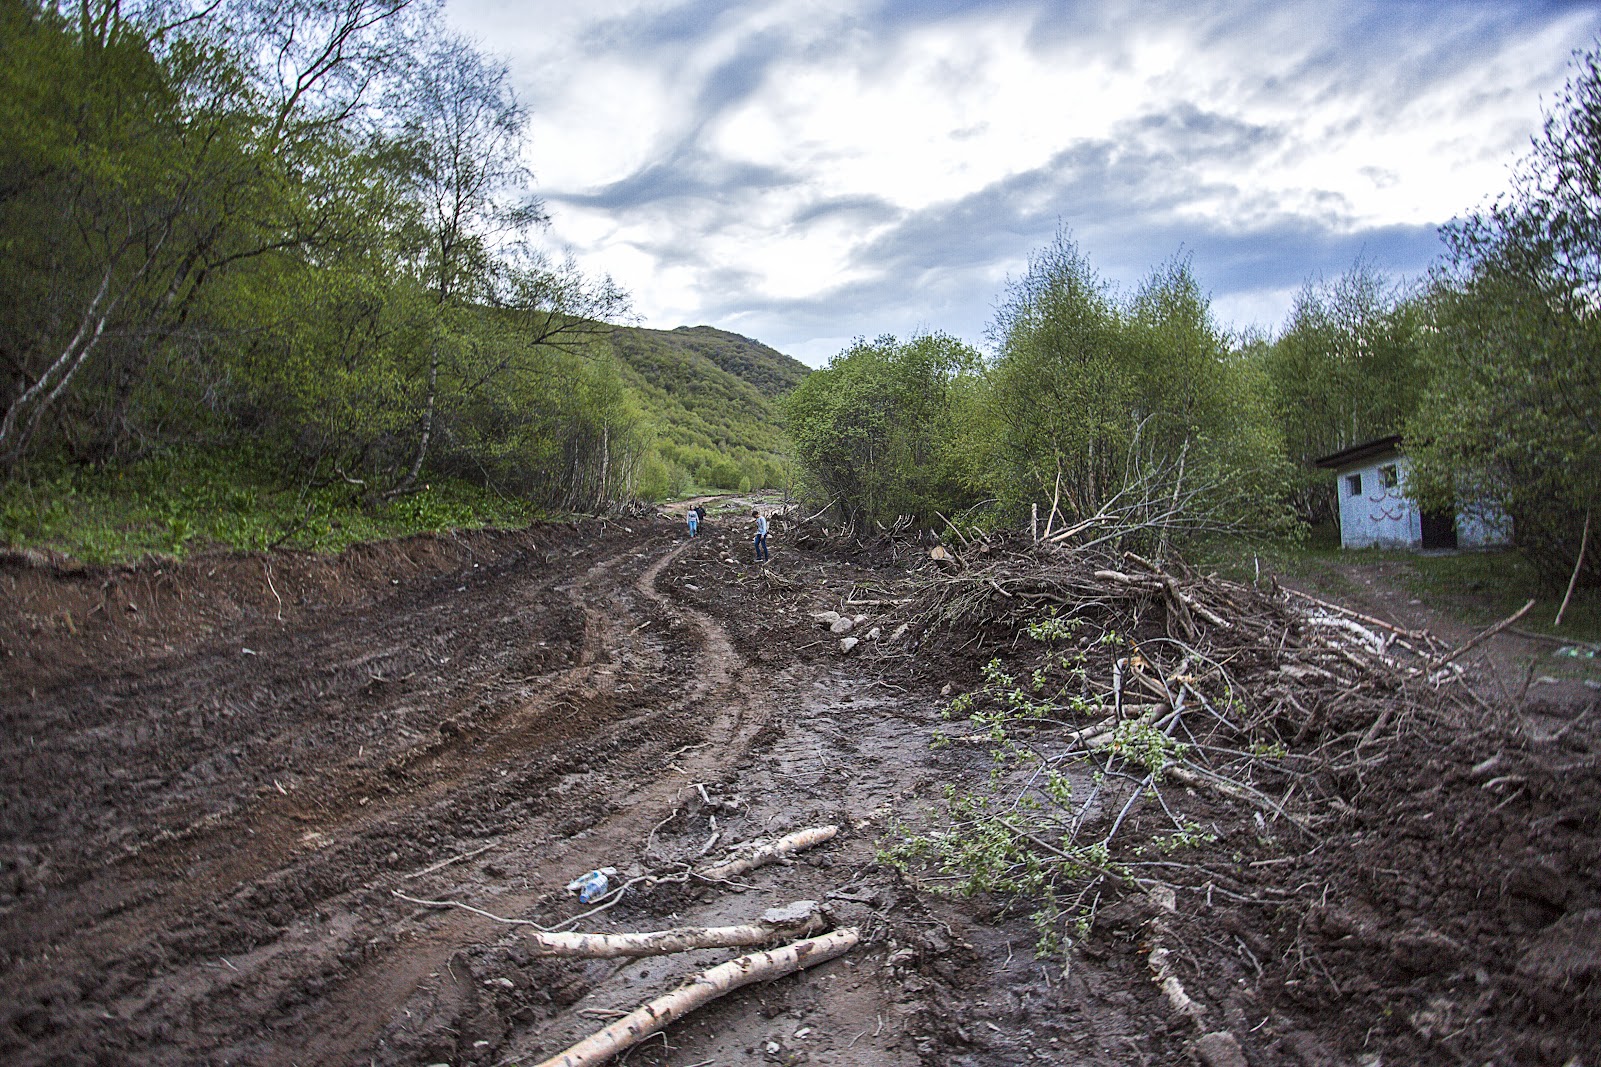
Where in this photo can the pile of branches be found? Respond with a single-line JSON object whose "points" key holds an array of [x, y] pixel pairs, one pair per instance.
{"points": [[1283, 659], [1114, 677]]}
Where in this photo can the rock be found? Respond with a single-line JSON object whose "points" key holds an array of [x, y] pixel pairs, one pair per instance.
{"points": [[825, 618], [846, 644], [1219, 1049], [875, 633], [842, 625], [1164, 898], [790, 914]]}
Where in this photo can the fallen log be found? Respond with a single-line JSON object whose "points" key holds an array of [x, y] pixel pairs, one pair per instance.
{"points": [[704, 988], [797, 920], [773, 853]]}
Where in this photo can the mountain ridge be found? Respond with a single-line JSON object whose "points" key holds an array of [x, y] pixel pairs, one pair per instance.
{"points": [[713, 396]]}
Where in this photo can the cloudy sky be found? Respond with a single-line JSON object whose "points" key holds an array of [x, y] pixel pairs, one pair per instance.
{"points": [[808, 172]]}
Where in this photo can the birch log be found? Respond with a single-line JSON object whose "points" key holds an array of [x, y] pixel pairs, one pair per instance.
{"points": [[778, 850], [704, 988], [662, 942]]}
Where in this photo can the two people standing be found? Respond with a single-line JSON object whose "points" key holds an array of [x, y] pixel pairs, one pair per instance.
{"points": [[695, 515]]}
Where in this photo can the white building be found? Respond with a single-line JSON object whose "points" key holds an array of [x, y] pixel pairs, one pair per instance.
{"points": [[1375, 511]]}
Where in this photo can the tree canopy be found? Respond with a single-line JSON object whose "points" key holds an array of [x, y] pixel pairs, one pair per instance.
{"points": [[875, 430], [1512, 414], [301, 225]]}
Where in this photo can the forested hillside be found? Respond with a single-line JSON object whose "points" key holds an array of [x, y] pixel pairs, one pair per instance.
{"points": [[273, 275], [712, 397]]}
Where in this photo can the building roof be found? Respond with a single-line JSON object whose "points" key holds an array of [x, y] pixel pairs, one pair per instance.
{"points": [[1346, 457]]}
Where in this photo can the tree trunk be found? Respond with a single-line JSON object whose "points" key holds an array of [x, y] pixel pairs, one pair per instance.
{"points": [[405, 484], [777, 851], [662, 942]]}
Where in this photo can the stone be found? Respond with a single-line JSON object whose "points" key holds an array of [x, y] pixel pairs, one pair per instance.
{"points": [[792, 914]]}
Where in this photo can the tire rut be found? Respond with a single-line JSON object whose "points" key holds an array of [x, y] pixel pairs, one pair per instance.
{"points": [[238, 885], [349, 1021]]}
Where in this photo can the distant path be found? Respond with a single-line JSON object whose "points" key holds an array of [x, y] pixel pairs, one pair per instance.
{"points": [[1377, 589]]}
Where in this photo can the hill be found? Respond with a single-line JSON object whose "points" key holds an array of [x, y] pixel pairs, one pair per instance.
{"points": [[712, 396]]}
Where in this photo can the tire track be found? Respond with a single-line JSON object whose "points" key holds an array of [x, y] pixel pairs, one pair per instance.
{"points": [[348, 1023]]}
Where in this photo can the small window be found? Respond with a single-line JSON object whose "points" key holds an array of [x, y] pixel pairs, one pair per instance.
{"points": [[1389, 477], [1353, 485]]}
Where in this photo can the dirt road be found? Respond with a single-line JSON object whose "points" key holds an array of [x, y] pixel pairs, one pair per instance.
{"points": [[217, 777], [203, 832]]}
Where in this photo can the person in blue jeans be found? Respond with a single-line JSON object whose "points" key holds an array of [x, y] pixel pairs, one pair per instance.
{"points": [[761, 536], [694, 521]]}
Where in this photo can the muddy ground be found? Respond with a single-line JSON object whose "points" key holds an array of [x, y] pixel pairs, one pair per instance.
{"points": [[218, 775]]}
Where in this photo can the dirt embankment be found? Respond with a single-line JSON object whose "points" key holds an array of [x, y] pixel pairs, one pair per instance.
{"points": [[218, 777]]}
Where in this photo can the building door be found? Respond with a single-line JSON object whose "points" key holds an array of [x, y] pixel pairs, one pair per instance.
{"points": [[1439, 529]]}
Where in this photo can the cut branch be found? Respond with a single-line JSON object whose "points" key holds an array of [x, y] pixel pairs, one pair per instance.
{"points": [[1482, 637], [1415, 635], [776, 852], [1578, 565], [704, 988]]}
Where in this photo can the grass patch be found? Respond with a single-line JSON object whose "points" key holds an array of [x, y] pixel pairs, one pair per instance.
{"points": [[1479, 588], [174, 505]]}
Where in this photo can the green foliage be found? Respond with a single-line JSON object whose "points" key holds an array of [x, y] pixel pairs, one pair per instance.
{"points": [[878, 428], [175, 505], [711, 396], [298, 233], [1513, 412], [1092, 397], [1062, 390], [1347, 368], [1017, 835]]}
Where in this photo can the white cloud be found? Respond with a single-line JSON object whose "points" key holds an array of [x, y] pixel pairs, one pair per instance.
{"points": [[806, 173]]}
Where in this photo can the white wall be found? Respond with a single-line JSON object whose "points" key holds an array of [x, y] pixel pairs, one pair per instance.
{"points": [[1485, 527], [1385, 518], [1378, 516]]}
